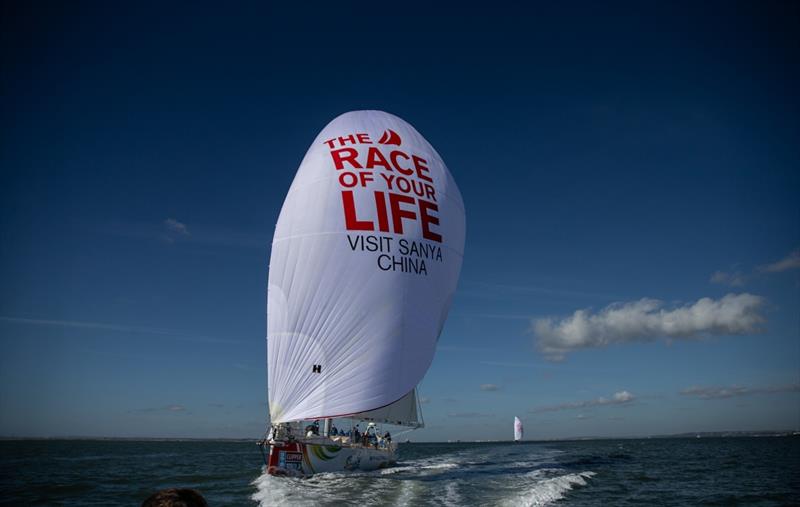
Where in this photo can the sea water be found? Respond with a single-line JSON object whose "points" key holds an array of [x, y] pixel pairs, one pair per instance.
{"points": [[680, 472]]}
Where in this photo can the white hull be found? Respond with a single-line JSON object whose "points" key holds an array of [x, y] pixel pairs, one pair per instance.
{"points": [[305, 458]]}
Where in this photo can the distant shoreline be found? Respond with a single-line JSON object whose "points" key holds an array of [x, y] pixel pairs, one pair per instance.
{"points": [[699, 434]]}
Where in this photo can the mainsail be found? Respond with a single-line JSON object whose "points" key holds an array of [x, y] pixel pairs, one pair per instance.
{"points": [[517, 429], [403, 412], [364, 264]]}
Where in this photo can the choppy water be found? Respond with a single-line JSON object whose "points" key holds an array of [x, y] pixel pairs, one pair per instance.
{"points": [[680, 472]]}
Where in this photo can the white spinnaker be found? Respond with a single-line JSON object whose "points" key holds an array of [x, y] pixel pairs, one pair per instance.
{"points": [[344, 334], [517, 429]]}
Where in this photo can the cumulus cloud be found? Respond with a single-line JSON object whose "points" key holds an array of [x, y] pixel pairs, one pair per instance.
{"points": [[791, 261], [734, 279], [489, 387], [647, 320], [711, 393], [619, 398]]}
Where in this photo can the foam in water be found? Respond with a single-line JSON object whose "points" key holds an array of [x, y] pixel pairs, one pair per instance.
{"points": [[451, 495], [417, 468], [478, 477], [549, 490]]}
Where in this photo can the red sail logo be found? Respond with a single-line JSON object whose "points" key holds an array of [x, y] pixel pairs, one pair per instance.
{"points": [[389, 137]]}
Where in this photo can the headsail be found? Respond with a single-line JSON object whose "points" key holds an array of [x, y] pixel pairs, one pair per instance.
{"points": [[365, 261], [403, 412], [517, 429]]}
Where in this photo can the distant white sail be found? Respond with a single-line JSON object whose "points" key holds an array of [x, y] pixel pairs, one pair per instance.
{"points": [[517, 429], [365, 261]]}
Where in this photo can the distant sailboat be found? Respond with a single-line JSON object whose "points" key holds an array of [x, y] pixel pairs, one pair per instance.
{"points": [[365, 260], [517, 429]]}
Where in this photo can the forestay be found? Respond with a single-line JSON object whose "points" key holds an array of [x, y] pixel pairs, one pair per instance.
{"points": [[364, 264]]}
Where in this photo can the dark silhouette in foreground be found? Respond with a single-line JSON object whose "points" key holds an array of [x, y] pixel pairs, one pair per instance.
{"points": [[175, 497]]}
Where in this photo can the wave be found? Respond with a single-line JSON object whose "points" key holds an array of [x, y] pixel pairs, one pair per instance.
{"points": [[452, 479], [417, 468], [336, 489], [451, 495], [548, 490]]}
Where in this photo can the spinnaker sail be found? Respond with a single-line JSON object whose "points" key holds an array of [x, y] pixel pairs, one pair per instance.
{"points": [[517, 429], [365, 260]]}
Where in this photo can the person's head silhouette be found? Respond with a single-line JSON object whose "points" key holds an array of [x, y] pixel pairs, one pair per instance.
{"points": [[175, 497]]}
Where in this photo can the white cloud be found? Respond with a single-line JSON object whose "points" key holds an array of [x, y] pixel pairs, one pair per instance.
{"points": [[619, 398], [489, 387], [710, 393], [647, 320], [791, 261], [174, 230], [176, 227], [735, 279]]}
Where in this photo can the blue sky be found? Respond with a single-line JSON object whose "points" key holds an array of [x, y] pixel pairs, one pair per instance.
{"points": [[636, 165]]}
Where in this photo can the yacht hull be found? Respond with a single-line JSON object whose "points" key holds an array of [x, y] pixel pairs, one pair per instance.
{"points": [[305, 459]]}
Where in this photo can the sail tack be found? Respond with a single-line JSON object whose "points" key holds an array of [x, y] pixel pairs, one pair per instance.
{"points": [[364, 264]]}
